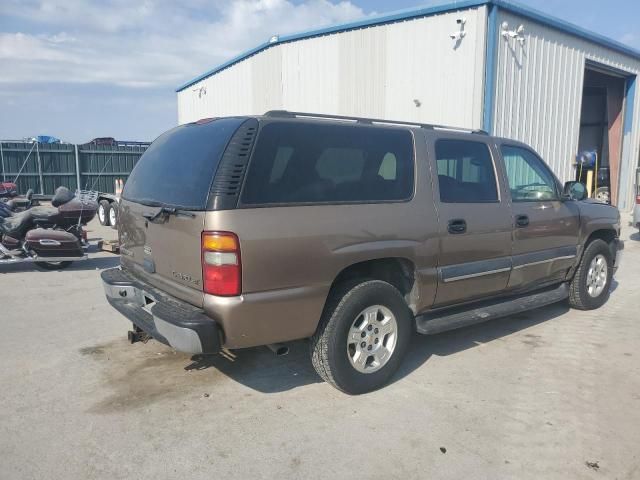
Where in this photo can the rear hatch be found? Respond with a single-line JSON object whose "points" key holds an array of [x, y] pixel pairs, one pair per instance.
{"points": [[161, 215]]}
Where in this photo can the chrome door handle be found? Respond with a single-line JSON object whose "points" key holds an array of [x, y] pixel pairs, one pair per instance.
{"points": [[522, 221], [457, 226]]}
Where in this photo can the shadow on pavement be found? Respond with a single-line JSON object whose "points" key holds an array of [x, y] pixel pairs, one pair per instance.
{"points": [[140, 375], [261, 370], [454, 341], [96, 263], [92, 263]]}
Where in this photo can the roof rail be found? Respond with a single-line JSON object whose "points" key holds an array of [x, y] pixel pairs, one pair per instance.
{"points": [[370, 121]]}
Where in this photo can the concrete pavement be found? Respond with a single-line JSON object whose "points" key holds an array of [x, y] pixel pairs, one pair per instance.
{"points": [[553, 393]]}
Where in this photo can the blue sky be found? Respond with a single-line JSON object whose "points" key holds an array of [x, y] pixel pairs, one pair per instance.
{"points": [[79, 69]]}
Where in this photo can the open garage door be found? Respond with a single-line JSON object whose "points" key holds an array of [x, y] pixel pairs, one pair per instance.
{"points": [[601, 130]]}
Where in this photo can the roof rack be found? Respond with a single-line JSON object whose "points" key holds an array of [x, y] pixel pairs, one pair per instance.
{"points": [[370, 121]]}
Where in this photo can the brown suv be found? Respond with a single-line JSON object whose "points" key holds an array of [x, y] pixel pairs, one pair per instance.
{"points": [[355, 233]]}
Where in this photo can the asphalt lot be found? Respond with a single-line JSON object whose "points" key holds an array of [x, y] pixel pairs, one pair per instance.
{"points": [[550, 394]]}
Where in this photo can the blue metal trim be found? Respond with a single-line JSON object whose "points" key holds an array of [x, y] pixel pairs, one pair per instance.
{"points": [[491, 65], [227, 64], [402, 15], [629, 105]]}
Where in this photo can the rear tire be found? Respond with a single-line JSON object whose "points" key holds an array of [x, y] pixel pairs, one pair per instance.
{"points": [[103, 212], [349, 311], [589, 288], [113, 215], [602, 194], [53, 265]]}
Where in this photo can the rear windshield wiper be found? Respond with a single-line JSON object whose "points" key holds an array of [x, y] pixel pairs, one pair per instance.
{"points": [[164, 212]]}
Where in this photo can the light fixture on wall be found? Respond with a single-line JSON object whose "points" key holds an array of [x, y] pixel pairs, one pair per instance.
{"points": [[518, 33], [202, 91], [460, 34]]}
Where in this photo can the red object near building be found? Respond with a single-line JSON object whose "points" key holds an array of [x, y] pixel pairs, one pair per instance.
{"points": [[8, 189]]}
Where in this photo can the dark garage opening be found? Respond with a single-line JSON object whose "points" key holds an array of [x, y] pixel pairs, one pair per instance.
{"points": [[601, 124]]}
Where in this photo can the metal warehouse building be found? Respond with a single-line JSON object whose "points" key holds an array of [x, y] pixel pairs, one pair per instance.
{"points": [[488, 64]]}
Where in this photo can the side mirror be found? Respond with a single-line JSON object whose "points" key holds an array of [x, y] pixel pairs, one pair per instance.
{"points": [[575, 191]]}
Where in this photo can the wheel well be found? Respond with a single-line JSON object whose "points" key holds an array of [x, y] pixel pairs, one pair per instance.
{"points": [[399, 272], [606, 234]]}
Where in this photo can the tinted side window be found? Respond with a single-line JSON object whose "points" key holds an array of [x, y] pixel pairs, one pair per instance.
{"points": [[296, 162], [340, 165], [529, 178], [465, 172]]}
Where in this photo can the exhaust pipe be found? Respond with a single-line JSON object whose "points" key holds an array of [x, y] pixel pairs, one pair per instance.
{"points": [[279, 349]]}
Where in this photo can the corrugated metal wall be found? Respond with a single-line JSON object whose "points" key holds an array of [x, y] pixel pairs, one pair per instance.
{"points": [[57, 161], [377, 72], [100, 165], [539, 95]]}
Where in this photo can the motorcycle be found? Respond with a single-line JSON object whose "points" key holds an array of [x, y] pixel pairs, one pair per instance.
{"points": [[17, 203], [50, 237]]}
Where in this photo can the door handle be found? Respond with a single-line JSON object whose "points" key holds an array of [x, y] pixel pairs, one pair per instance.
{"points": [[522, 221], [457, 226]]}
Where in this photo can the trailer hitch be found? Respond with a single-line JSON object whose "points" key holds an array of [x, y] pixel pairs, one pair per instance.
{"points": [[137, 335]]}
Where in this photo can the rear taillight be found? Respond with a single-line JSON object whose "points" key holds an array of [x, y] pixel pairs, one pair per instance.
{"points": [[638, 199], [221, 267]]}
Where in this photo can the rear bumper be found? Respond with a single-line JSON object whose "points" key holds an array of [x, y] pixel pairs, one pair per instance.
{"points": [[169, 320]]}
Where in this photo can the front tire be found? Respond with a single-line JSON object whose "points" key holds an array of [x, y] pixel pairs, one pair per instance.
{"points": [[362, 337], [589, 288]]}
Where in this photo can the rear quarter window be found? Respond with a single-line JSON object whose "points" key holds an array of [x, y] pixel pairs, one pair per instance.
{"points": [[295, 162]]}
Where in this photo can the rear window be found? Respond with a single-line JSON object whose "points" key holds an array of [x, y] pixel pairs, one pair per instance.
{"points": [[314, 163], [178, 168]]}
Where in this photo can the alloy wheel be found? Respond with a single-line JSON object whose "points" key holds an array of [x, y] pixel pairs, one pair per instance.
{"points": [[597, 275], [372, 339]]}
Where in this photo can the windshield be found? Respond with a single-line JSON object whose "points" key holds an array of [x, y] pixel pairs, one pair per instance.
{"points": [[179, 166]]}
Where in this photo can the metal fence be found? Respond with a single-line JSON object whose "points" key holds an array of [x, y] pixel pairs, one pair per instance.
{"points": [[43, 167]]}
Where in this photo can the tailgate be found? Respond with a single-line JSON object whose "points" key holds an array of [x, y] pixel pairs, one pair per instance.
{"points": [[166, 254], [161, 214]]}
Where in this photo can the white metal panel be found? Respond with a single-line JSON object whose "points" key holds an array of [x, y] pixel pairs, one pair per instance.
{"points": [[539, 95], [424, 64], [310, 74], [266, 81], [227, 93], [376, 71], [363, 72]]}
